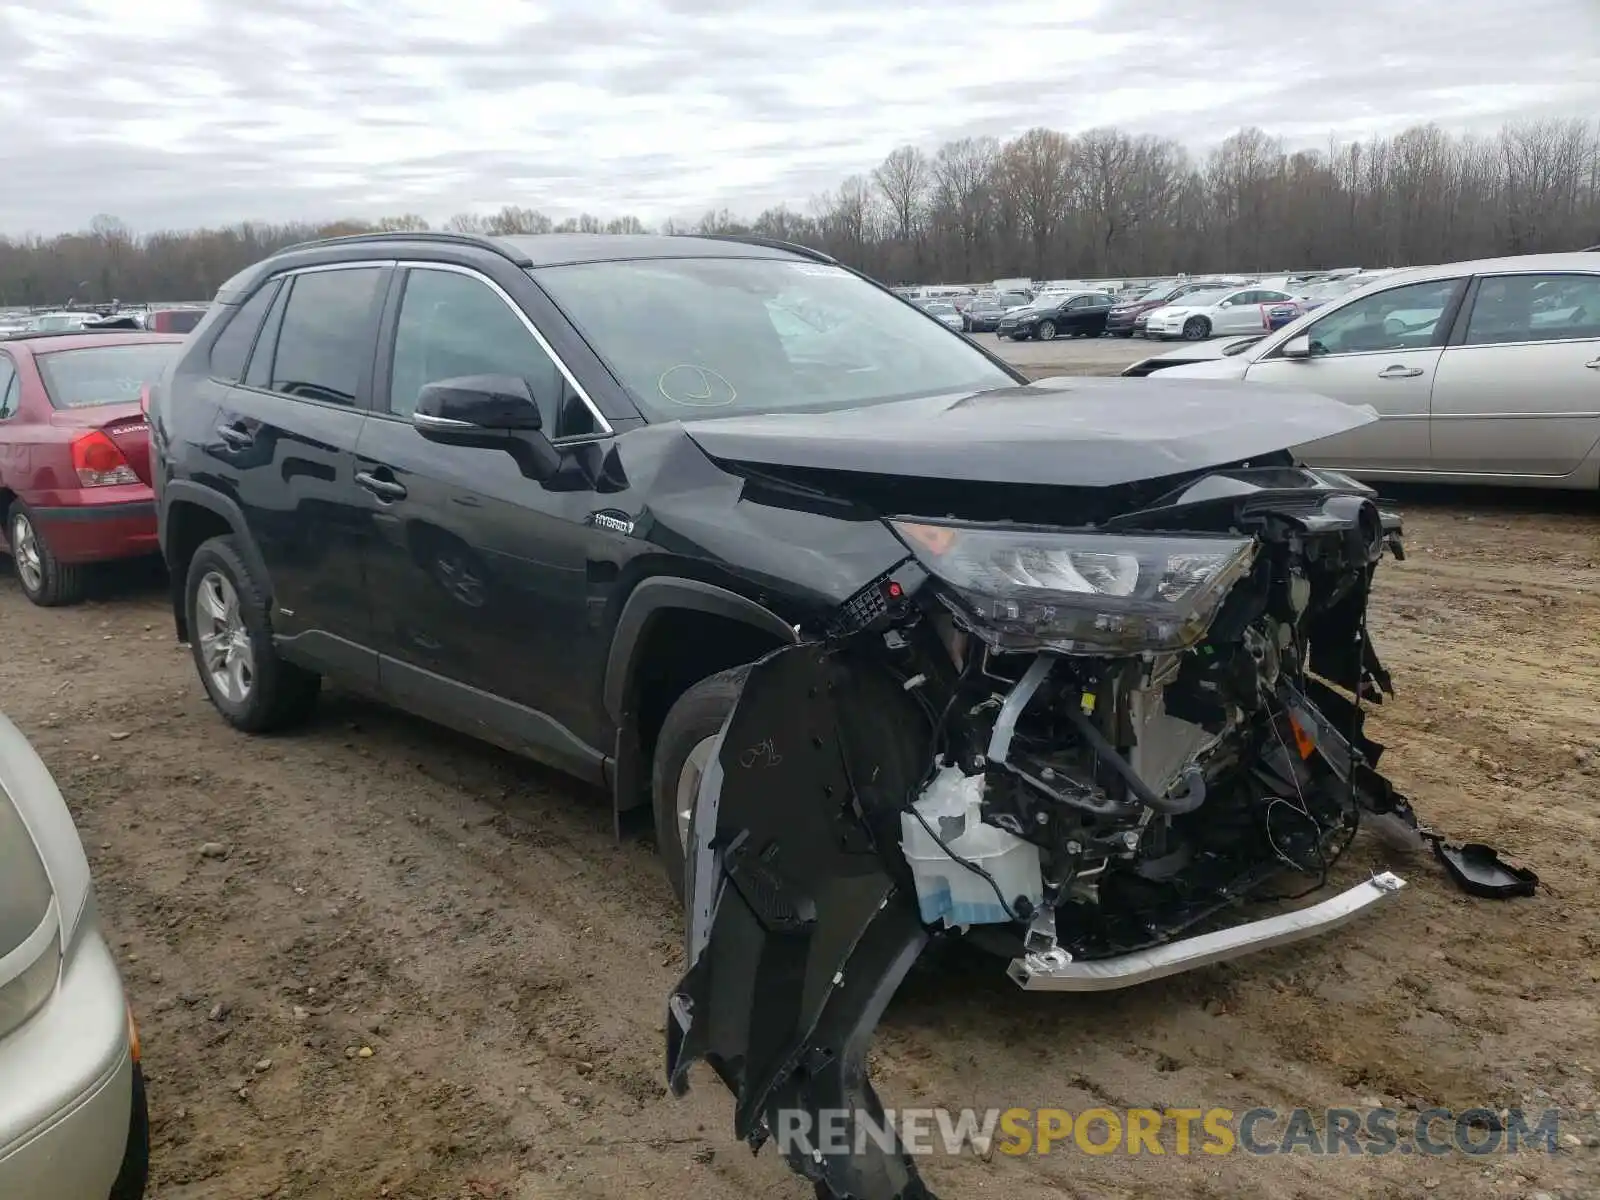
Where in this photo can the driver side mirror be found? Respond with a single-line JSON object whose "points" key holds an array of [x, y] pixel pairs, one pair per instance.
{"points": [[487, 412], [1296, 347]]}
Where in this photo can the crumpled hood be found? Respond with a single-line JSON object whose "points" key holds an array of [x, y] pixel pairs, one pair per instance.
{"points": [[1082, 432]]}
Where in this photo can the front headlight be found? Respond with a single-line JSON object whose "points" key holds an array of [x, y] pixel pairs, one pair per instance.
{"points": [[1080, 593]]}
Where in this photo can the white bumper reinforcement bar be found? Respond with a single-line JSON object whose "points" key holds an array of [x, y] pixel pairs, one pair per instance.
{"points": [[1056, 971]]}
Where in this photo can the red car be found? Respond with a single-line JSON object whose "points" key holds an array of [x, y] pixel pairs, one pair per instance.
{"points": [[75, 454]]}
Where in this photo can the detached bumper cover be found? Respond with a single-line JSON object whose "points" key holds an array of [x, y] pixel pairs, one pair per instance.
{"points": [[1056, 972]]}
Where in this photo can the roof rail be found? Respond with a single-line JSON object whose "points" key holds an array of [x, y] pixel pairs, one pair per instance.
{"points": [[770, 243], [481, 241]]}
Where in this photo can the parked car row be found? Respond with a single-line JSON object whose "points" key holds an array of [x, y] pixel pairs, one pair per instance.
{"points": [[1480, 372], [174, 319]]}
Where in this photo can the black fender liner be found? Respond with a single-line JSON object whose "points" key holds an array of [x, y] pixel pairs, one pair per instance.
{"points": [[186, 491], [647, 601]]}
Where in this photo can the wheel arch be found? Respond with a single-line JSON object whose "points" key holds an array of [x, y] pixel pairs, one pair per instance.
{"points": [[671, 633], [189, 515]]}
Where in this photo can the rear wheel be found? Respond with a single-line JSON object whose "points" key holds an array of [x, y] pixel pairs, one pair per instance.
{"points": [[1196, 329], [231, 638], [45, 579], [683, 751], [1047, 331]]}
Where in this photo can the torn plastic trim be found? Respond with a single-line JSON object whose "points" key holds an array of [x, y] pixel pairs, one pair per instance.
{"points": [[1056, 971], [798, 936]]}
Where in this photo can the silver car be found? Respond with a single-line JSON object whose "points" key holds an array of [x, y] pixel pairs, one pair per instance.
{"points": [[1480, 372], [73, 1121]]}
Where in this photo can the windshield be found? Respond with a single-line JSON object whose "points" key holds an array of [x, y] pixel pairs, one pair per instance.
{"points": [[708, 337], [103, 374]]}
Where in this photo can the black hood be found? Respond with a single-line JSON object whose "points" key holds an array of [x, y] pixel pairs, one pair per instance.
{"points": [[1086, 432]]}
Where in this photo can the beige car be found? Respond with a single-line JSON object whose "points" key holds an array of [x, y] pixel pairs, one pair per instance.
{"points": [[1480, 372], [73, 1120]]}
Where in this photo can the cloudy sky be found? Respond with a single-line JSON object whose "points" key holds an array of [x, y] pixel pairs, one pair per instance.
{"points": [[171, 113]]}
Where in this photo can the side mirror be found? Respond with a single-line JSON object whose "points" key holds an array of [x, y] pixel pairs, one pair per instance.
{"points": [[487, 412], [1296, 347], [1226, 304]]}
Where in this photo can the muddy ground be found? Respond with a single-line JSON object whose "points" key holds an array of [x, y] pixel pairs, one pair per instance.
{"points": [[468, 919]]}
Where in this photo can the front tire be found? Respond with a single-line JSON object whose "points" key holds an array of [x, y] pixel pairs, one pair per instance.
{"points": [[683, 749], [1047, 331], [44, 578], [1196, 329], [230, 637]]}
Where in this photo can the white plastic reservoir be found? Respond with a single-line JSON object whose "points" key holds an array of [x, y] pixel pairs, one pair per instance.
{"points": [[947, 891]]}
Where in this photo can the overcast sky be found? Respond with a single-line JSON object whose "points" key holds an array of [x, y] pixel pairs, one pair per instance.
{"points": [[172, 113]]}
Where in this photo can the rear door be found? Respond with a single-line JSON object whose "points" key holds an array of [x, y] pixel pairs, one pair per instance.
{"points": [[285, 436], [1518, 390], [1383, 350]]}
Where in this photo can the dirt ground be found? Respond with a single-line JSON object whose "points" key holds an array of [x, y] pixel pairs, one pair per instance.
{"points": [[283, 907]]}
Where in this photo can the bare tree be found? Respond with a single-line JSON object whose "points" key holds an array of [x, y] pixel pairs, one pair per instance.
{"points": [[1109, 203]]}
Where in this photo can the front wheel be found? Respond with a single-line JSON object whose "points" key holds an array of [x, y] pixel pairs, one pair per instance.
{"points": [[1047, 331], [231, 638], [1196, 329], [683, 751]]}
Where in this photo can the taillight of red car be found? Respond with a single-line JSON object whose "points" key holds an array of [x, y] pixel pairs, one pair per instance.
{"points": [[98, 461]]}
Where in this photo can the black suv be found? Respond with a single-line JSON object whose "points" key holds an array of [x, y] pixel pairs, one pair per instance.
{"points": [[461, 474], [898, 645]]}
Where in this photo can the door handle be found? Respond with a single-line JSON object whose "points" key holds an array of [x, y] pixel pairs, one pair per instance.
{"points": [[1399, 372], [387, 490], [236, 435]]}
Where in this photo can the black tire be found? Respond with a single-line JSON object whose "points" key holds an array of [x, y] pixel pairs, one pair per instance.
{"points": [[1196, 329], [698, 714], [50, 583], [279, 694], [134, 1174], [1047, 331]]}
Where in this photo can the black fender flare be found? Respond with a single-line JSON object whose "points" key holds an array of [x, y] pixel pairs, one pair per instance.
{"points": [[648, 599], [186, 491]]}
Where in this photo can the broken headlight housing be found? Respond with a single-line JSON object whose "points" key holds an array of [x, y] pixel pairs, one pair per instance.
{"points": [[1025, 588]]}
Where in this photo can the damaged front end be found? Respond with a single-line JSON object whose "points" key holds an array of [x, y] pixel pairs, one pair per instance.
{"points": [[1075, 746]]}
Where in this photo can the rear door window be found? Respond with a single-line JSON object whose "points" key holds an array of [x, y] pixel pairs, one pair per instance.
{"points": [[10, 387], [1534, 308], [324, 345]]}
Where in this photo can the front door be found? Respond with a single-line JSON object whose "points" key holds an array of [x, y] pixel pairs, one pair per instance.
{"points": [[1520, 394], [479, 575], [285, 438], [1381, 350]]}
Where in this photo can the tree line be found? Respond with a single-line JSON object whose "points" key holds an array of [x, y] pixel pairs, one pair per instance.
{"points": [[1100, 204]]}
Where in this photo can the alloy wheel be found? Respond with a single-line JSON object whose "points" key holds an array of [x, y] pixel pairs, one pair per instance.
{"points": [[225, 645], [25, 553], [689, 777]]}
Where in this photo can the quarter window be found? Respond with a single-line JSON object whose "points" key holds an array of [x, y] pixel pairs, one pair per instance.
{"points": [[326, 335], [453, 325], [1534, 308], [1400, 318], [232, 346]]}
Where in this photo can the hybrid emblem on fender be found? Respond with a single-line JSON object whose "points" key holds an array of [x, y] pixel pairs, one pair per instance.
{"points": [[610, 518]]}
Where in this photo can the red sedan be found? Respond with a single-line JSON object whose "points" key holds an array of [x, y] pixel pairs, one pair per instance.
{"points": [[75, 454]]}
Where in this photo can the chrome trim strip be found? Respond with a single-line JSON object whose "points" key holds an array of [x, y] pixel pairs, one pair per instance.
{"points": [[1055, 971], [1505, 416], [572, 380], [433, 422]]}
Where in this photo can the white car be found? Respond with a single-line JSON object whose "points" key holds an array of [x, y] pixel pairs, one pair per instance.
{"points": [[1201, 315], [1480, 372]]}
